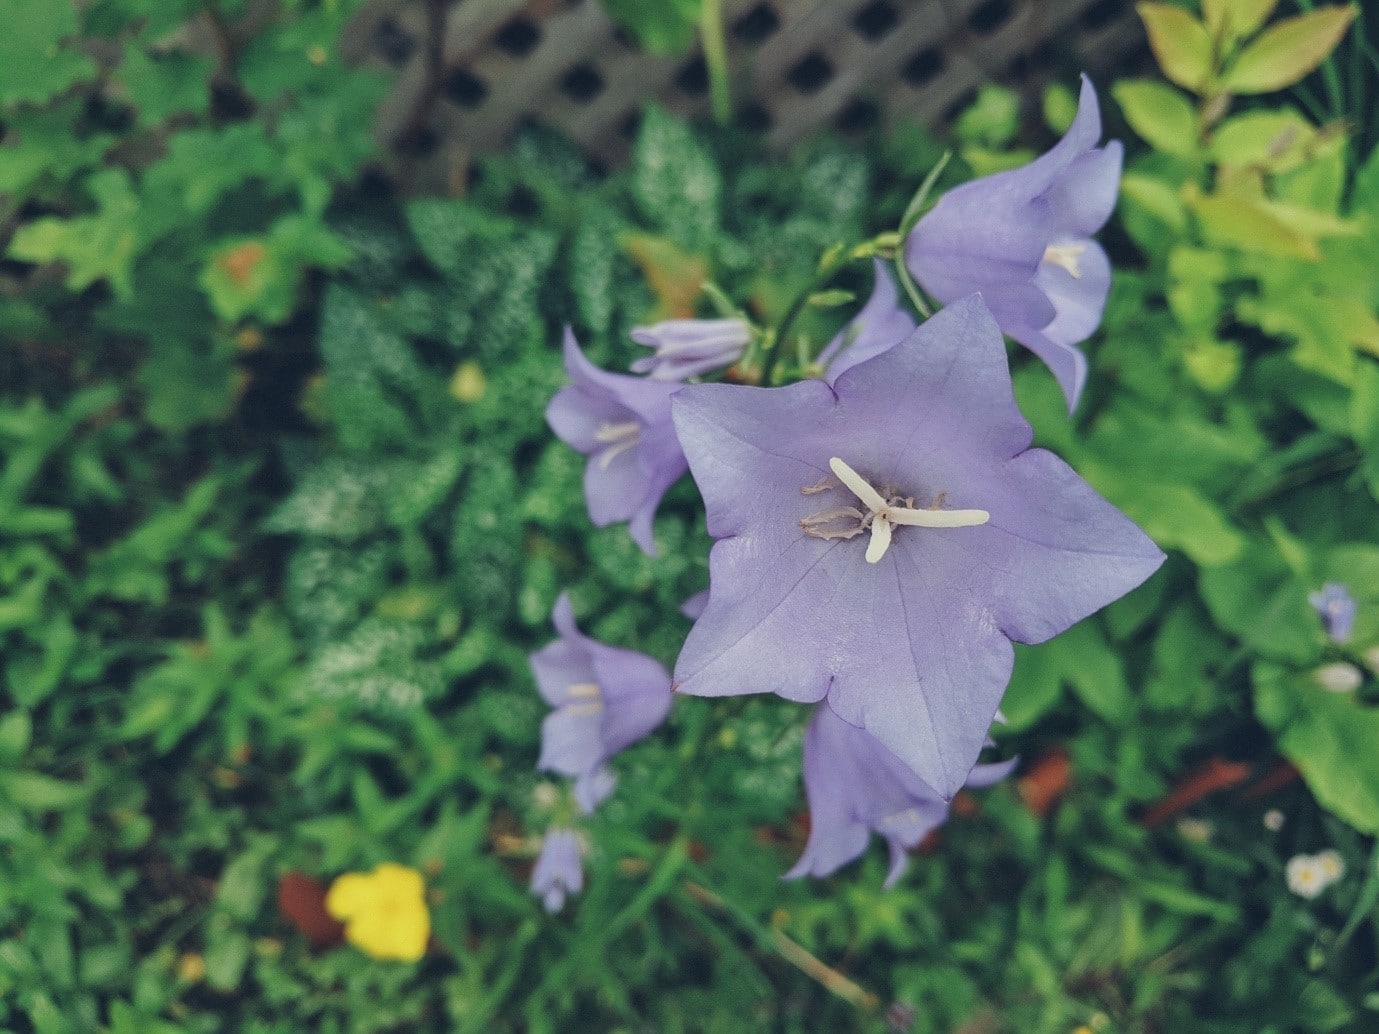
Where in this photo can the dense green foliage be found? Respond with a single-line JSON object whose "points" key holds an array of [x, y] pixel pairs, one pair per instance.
{"points": [[268, 612]]}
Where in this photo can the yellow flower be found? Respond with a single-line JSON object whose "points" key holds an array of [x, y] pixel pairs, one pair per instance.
{"points": [[384, 911]]}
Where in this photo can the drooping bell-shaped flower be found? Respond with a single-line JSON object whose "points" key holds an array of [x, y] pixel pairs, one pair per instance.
{"points": [[881, 323], [559, 871], [1023, 239], [689, 348], [856, 787], [882, 540], [622, 424], [1336, 607], [604, 699]]}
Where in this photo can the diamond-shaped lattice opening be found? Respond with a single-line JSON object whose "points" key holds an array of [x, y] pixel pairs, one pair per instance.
{"points": [[392, 43], [517, 37], [876, 20], [1101, 14], [694, 77], [859, 116], [582, 83], [755, 118], [757, 25], [923, 67], [464, 88], [989, 17], [811, 73]]}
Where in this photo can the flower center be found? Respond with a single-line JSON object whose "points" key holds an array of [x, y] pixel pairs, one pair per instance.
{"points": [[1066, 256], [585, 698], [618, 438], [881, 516]]}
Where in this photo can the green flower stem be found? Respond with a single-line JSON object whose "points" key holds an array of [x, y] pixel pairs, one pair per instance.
{"points": [[716, 59], [832, 261]]}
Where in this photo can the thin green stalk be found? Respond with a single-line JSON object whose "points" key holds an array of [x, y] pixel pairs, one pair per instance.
{"points": [[716, 59]]}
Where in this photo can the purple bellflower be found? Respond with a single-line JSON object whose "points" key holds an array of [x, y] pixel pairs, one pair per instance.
{"points": [[1336, 607], [558, 870], [688, 348], [604, 699], [882, 540], [881, 324], [1023, 239], [623, 425], [857, 787]]}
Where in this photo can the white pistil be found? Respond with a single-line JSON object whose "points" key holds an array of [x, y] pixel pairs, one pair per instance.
{"points": [[884, 516], [619, 438], [1066, 256]]}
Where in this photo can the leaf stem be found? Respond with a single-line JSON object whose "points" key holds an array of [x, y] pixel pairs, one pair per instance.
{"points": [[716, 59]]}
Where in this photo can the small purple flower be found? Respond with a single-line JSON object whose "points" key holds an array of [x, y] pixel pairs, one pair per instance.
{"points": [[881, 541], [881, 324], [688, 348], [1336, 607], [558, 871], [1023, 239], [857, 787], [623, 425], [604, 699]]}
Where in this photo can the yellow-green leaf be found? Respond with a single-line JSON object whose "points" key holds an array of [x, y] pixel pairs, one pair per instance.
{"points": [[1159, 114], [1248, 224], [1155, 198], [1181, 44], [1287, 51], [1236, 19]]}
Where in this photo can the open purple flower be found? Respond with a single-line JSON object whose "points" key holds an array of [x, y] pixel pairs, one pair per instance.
{"points": [[688, 348], [882, 541], [605, 698], [1336, 608], [881, 324], [558, 872], [623, 425], [857, 787], [1023, 239]]}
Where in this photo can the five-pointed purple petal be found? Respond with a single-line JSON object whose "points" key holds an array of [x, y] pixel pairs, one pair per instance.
{"points": [[914, 647], [1023, 239], [623, 425]]}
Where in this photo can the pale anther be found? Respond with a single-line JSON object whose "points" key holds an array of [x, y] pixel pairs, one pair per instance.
{"points": [[619, 438], [1066, 256]]}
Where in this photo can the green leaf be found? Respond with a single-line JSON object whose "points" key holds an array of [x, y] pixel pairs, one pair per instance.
{"points": [[1265, 606], [94, 247], [1236, 19], [1275, 140], [165, 83], [1288, 50], [34, 791], [45, 144], [36, 58], [675, 180], [1178, 517], [186, 385], [992, 119], [1161, 115], [665, 27], [1331, 737], [1181, 44]]}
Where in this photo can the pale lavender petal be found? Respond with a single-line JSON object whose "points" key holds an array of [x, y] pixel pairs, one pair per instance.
{"points": [[694, 606], [881, 324], [558, 871], [1336, 607], [687, 348], [570, 741], [593, 787], [1078, 301], [1083, 198]]}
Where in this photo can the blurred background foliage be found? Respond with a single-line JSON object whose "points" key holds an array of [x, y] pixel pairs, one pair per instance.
{"points": [[280, 519]]}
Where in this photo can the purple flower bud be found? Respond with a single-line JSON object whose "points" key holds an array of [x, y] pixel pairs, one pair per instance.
{"points": [[688, 348], [558, 871], [857, 787], [882, 540], [604, 699], [623, 425], [1023, 239], [1336, 607], [881, 324]]}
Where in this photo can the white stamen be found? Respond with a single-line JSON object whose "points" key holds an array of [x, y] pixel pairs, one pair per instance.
{"points": [[584, 689], [620, 438], [884, 516], [1066, 256]]}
